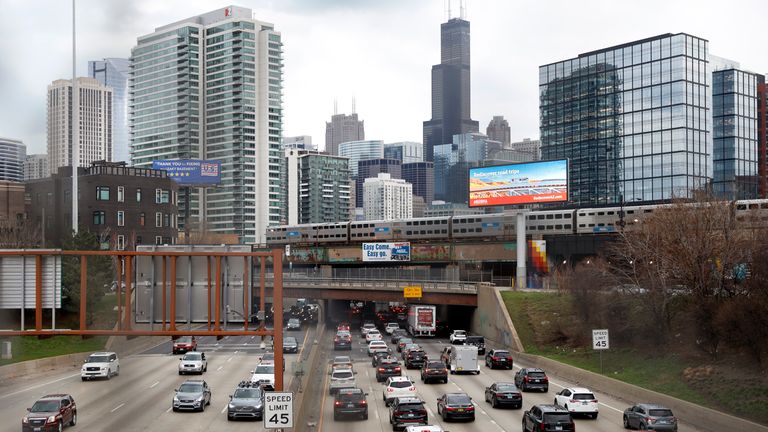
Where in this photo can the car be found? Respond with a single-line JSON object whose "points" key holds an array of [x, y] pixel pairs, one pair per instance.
{"points": [[402, 342], [388, 366], [378, 356], [391, 327], [342, 362], [350, 402], [290, 345], [649, 416], [247, 401], [396, 387], [434, 371], [343, 326], [267, 358], [293, 324], [372, 335], [397, 334], [366, 327], [184, 344], [406, 411], [192, 395], [100, 365], [263, 374], [341, 378], [377, 346], [532, 379], [498, 358], [408, 347], [193, 362], [502, 393], [415, 358], [458, 337], [548, 418], [342, 341], [477, 341], [578, 400], [49, 413], [456, 406]]}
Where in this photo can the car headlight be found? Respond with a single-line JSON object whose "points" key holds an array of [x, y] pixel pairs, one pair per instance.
{"points": [[175, 398], [231, 406], [51, 419], [200, 399], [25, 420], [103, 368]]}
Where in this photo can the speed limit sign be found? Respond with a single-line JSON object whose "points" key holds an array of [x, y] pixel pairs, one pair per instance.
{"points": [[600, 339], [278, 410]]}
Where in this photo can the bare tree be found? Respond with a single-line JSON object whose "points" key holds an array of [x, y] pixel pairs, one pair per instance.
{"points": [[18, 235]]}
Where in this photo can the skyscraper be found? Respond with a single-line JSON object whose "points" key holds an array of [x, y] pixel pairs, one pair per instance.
{"points": [[95, 131], [343, 128], [387, 198], [317, 187], [115, 73], [13, 152], [422, 176], [359, 150], [234, 97], [453, 161], [370, 168], [404, 151], [36, 167], [450, 88], [498, 130]]}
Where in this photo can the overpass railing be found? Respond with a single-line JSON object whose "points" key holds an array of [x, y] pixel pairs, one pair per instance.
{"points": [[454, 287]]}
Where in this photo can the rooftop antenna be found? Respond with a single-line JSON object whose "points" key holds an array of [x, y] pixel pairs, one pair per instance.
{"points": [[335, 106], [447, 10], [462, 9], [353, 105]]}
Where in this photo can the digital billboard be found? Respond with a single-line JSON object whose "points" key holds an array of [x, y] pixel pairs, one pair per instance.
{"points": [[521, 183], [387, 251], [191, 172]]}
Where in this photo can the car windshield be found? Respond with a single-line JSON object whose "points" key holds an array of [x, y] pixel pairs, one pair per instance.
{"points": [[268, 356], [184, 339], [98, 359], [378, 344], [435, 365], [343, 375], [191, 388], [45, 406], [410, 407], [555, 418], [264, 369], [536, 374], [289, 340], [660, 413], [342, 359], [350, 396], [393, 325], [506, 387], [192, 356], [459, 400], [459, 333], [247, 393], [583, 396], [400, 384], [501, 354], [386, 361]]}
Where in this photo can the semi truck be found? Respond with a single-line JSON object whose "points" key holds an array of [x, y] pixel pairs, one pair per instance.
{"points": [[422, 320]]}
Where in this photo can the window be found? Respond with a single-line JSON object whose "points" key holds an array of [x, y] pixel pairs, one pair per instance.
{"points": [[158, 240], [158, 220], [102, 193], [99, 218], [120, 242], [120, 218], [138, 240], [120, 194], [142, 219], [138, 194], [166, 220], [162, 196]]}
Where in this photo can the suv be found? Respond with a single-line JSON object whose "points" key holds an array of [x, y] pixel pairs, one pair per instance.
{"points": [[391, 327], [434, 370], [184, 344], [290, 345], [578, 400], [404, 411], [193, 362], [650, 416], [293, 324], [100, 365], [388, 367], [350, 401], [50, 412], [397, 334], [532, 378], [477, 341], [341, 378], [343, 340], [396, 387], [378, 356], [458, 337], [415, 358], [500, 358], [263, 374], [192, 395], [548, 418], [246, 402]]}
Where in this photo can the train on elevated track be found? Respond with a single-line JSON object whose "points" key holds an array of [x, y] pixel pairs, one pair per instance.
{"points": [[492, 226]]}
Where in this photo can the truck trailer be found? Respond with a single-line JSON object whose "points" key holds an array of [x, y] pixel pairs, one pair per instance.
{"points": [[422, 320]]}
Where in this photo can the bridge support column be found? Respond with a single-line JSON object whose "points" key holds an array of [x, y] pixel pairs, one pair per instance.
{"points": [[520, 277]]}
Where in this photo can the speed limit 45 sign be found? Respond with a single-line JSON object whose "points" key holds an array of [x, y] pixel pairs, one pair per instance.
{"points": [[278, 410], [600, 339]]}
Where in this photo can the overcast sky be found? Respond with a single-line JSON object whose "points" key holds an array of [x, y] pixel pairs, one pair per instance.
{"points": [[379, 51]]}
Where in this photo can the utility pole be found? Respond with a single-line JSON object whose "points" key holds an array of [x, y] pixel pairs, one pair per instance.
{"points": [[75, 102]]}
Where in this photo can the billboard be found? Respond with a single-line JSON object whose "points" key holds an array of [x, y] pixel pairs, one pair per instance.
{"points": [[373, 252], [521, 183], [191, 172]]}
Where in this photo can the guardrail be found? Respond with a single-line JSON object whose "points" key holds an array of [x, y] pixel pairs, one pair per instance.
{"points": [[454, 287]]}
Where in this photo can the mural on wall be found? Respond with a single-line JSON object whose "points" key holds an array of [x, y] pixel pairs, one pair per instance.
{"points": [[438, 252], [537, 251], [314, 255]]}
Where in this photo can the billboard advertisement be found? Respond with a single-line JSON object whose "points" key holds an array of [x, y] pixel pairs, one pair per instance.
{"points": [[191, 172], [521, 183], [383, 252]]}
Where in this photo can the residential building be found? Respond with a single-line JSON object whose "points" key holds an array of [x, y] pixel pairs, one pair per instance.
{"points": [[634, 120], [228, 108], [404, 151], [125, 206], [419, 206], [359, 150], [386, 198], [301, 142], [13, 153], [422, 176], [498, 130], [343, 128], [11, 204], [453, 161], [317, 187], [450, 89], [36, 166], [368, 168], [115, 73], [95, 132], [528, 145]]}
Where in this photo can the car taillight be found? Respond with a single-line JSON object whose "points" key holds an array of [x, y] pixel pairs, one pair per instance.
{"points": [[390, 389], [381, 369], [573, 401], [594, 401], [472, 408], [495, 358], [541, 426], [546, 379], [397, 369], [363, 403], [527, 378], [649, 419], [337, 403], [411, 388]]}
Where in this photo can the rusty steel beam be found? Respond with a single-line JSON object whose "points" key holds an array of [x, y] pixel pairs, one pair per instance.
{"points": [[246, 303], [277, 301], [217, 322], [119, 292], [39, 293], [83, 289], [172, 318], [48, 252], [63, 332], [262, 290], [128, 283], [209, 292], [165, 289]]}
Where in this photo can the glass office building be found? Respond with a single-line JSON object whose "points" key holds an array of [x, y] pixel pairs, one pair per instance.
{"points": [[360, 150], [634, 120], [115, 73], [453, 161]]}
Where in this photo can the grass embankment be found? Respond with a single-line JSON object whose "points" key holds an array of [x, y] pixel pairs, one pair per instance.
{"points": [[538, 318]]}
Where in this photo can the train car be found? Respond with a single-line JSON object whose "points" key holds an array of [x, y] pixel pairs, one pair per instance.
{"points": [[754, 212], [488, 226], [370, 231], [432, 228], [550, 222]]}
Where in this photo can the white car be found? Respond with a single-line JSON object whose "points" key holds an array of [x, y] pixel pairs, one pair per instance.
{"points": [[578, 400], [458, 337], [366, 328], [391, 327], [377, 346], [341, 378], [100, 365], [373, 335], [264, 374], [342, 362], [396, 387], [193, 362]]}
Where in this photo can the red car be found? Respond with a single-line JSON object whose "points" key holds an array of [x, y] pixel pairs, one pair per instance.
{"points": [[50, 413], [343, 326], [184, 344]]}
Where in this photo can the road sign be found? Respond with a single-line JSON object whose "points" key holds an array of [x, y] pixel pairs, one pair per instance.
{"points": [[278, 410], [600, 339], [413, 291]]}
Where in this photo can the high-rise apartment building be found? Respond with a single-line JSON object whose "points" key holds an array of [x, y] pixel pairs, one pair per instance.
{"points": [[498, 130], [368, 168], [343, 128], [528, 145], [301, 142], [95, 131], [13, 153], [422, 176], [359, 150], [210, 87], [404, 151], [317, 187], [386, 198], [115, 73], [36, 167], [634, 120], [450, 88], [762, 136]]}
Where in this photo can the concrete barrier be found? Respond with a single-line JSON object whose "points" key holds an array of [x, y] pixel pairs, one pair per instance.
{"points": [[310, 367], [491, 319], [35, 367]]}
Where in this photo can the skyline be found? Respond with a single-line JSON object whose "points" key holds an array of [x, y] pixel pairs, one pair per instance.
{"points": [[337, 51]]}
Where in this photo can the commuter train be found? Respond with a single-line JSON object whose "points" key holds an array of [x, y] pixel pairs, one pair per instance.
{"points": [[497, 226]]}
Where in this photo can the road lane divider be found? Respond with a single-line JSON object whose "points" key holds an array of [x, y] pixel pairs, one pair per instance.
{"points": [[117, 407], [155, 384]]}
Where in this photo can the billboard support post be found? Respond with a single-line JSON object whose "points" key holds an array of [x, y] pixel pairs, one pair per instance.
{"points": [[520, 277]]}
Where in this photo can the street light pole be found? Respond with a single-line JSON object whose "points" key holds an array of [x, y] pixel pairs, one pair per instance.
{"points": [[75, 124]]}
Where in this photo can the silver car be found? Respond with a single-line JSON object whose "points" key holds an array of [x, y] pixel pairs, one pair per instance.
{"points": [[193, 362], [192, 395], [246, 402]]}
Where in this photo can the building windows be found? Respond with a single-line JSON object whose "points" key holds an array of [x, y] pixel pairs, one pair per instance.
{"points": [[138, 194], [158, 220], [142, 219], [102, 193], [158, 240], [99, 218], [138, 240], [120, 218], [162, 196], [120, 242], [120, 194], [166, 220]]}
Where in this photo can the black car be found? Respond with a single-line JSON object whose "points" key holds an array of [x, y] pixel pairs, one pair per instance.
{"points": [[246, 402], [498, 358], [397, 334], [350, 402], [342, 342], [498, 394], [548, 418], [477, 341], [646, 416], [407, 411], [290, 345], [456, 406], [378, 356], [388, 366], [532, 379], [434, 371], [415, 358]]}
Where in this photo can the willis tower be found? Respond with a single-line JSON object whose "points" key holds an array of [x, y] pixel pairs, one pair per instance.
{"points": [[450, 88]]}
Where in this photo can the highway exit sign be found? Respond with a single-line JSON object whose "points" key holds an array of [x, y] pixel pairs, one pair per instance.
{"points": [[412, 291], [600, 339]]}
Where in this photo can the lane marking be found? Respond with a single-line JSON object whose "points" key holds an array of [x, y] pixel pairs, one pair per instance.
{"points": [[224, 409], [169, 409], [153, 385], [220, 368], [117, 407], [45, 384]]}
